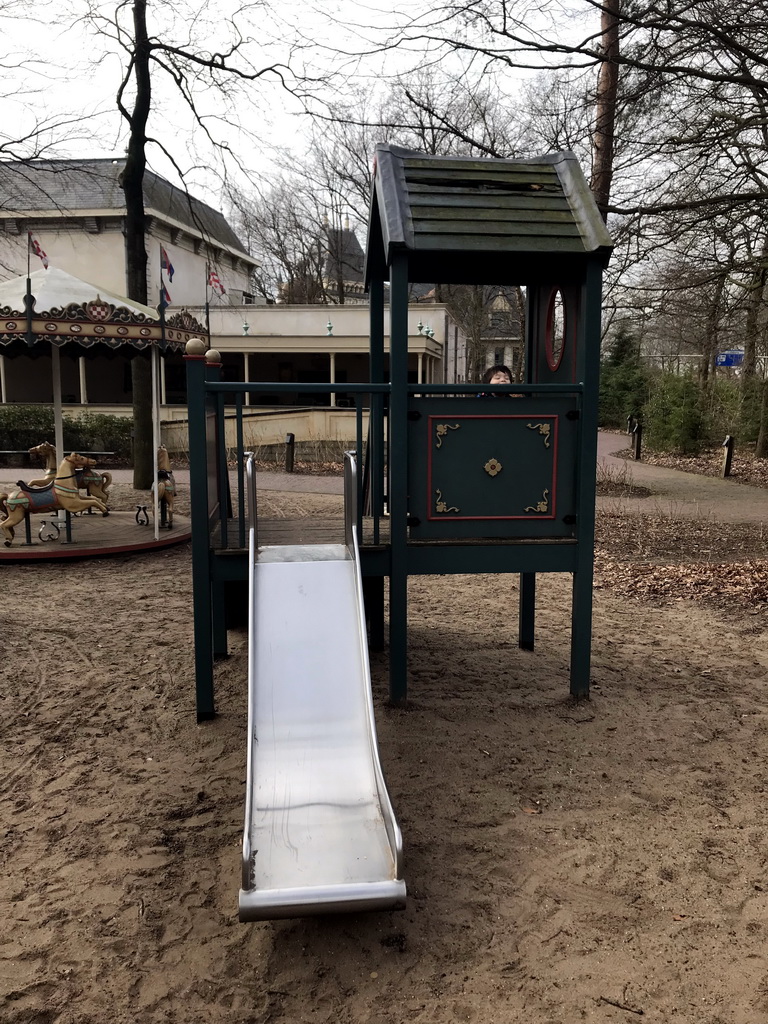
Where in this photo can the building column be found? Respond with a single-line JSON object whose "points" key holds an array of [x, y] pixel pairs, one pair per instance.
{"points": [[420, 369], [333, 375], [3, 385], [83, 385], [247, 374]]}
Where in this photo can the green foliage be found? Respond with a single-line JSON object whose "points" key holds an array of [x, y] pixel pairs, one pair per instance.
{"points": [[623, 382], [99, 432], [24, 426], [624, 350], [674, 417], [751, 396], [623, 393]]}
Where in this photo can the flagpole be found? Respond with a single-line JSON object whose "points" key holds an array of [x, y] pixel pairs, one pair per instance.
{"points": [[207, 306]]}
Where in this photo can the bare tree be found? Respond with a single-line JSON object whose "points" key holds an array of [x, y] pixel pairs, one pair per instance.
{"points": [[198, 48]]}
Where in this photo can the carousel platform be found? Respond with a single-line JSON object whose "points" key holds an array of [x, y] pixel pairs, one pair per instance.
{"points": [[93, 536]]}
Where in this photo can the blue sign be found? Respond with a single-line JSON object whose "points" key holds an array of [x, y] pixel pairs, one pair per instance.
{"points": [[729, 359]]}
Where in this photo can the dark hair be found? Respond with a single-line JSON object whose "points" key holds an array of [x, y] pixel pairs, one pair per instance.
{"points": [[498, 368]]}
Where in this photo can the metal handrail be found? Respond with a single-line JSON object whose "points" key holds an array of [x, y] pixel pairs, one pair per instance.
{"points": [[250, 487], [253, 547], [394, 835]]}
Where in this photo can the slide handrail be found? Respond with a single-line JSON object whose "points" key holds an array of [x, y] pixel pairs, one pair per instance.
{"points": [[250, 485], [350, 530]]}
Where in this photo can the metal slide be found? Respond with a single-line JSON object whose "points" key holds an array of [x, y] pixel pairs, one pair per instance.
{"points": [[320, 833]]}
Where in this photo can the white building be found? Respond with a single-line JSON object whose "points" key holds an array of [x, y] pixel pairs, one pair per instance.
{"points": [[75, 210]]}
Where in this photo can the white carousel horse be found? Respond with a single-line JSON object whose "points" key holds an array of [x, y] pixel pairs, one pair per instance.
{"points": [[166, 487], [95, 482], [61, 493]]}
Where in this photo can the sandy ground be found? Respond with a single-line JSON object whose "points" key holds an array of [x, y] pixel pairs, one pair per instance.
{"points": [[594, 861]]}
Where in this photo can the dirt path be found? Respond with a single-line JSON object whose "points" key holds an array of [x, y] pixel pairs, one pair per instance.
{"points": [[682, 495], [565, 862]]}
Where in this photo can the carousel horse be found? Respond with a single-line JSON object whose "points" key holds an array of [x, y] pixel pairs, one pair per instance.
{"points": [[48, 452], [95, 482], [166, 487], [58, 494]]}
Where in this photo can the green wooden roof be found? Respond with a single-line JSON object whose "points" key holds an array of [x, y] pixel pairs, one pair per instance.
{"points": [[466, 219]]}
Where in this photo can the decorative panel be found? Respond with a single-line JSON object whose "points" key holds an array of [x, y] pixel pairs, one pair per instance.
{"points": [[492, 467]]}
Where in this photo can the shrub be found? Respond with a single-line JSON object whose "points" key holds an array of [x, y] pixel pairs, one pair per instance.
{"points": [[99, 432], [623, 392], [674, 416], [623, 382], [24, 426]]}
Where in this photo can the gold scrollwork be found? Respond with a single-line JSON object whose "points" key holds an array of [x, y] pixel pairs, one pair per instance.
{"points": [[441, 506], [543, 505], [493, 467], [545, 429], [441, 429]]}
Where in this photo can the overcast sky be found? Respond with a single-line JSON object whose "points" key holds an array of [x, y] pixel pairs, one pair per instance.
{"points": [[62, 71], [64, 74]]}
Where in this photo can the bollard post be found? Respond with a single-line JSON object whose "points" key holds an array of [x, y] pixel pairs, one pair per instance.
{"points": [[290, 443], [728, 444], [630, 422], [637, 441]]}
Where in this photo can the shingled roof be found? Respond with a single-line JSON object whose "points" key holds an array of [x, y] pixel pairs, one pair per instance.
{"points": [[471, 220], [93, 186]]}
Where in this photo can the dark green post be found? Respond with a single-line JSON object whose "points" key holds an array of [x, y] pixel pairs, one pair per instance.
{"points": [[374, 585], [527, 614], [588, 371], [376, 411], [397, 461], [218, 587], [201, 570]]}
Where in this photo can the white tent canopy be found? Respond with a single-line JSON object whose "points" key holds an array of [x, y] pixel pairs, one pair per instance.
{"points": [[56, 289]]}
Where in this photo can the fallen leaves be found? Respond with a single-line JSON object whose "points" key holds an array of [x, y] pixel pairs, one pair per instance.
{"points": [[740, 582]]}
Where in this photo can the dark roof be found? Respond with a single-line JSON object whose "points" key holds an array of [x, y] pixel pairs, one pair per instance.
{"points": [[79, 185], [468, 220], [345, 256]]}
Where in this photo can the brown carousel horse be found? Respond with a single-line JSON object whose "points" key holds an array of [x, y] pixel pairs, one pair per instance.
{"points": [[94, 482], [166, 487], [60, 493]]}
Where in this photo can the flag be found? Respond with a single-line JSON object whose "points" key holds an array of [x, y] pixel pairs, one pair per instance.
{"points": [[36, 249], [165, 263], [215, 282], [165, 298]]}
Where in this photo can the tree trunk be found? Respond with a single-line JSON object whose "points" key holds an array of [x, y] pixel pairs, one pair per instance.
{"points": [[761, 451], [605, 107], [136, 246], [752, 325], [711, 342]]}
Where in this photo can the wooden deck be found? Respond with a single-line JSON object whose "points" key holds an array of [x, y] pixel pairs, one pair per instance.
{"points": [[93, 536], [331, 531]]}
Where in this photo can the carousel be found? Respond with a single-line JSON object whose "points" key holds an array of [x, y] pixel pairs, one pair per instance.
{"points": [[64, 509]]}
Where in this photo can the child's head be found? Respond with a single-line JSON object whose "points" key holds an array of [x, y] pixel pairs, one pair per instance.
{"points": [[497, 374]]}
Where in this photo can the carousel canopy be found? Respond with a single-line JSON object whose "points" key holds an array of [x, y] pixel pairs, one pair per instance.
{"points": [[66, 309]]}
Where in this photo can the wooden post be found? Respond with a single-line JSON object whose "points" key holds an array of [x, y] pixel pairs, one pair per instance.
{"points": [[637, 441], [290, 444], [728, 445]]}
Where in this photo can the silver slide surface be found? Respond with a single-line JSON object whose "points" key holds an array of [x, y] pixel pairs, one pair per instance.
{"points": [[320, 834]]}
